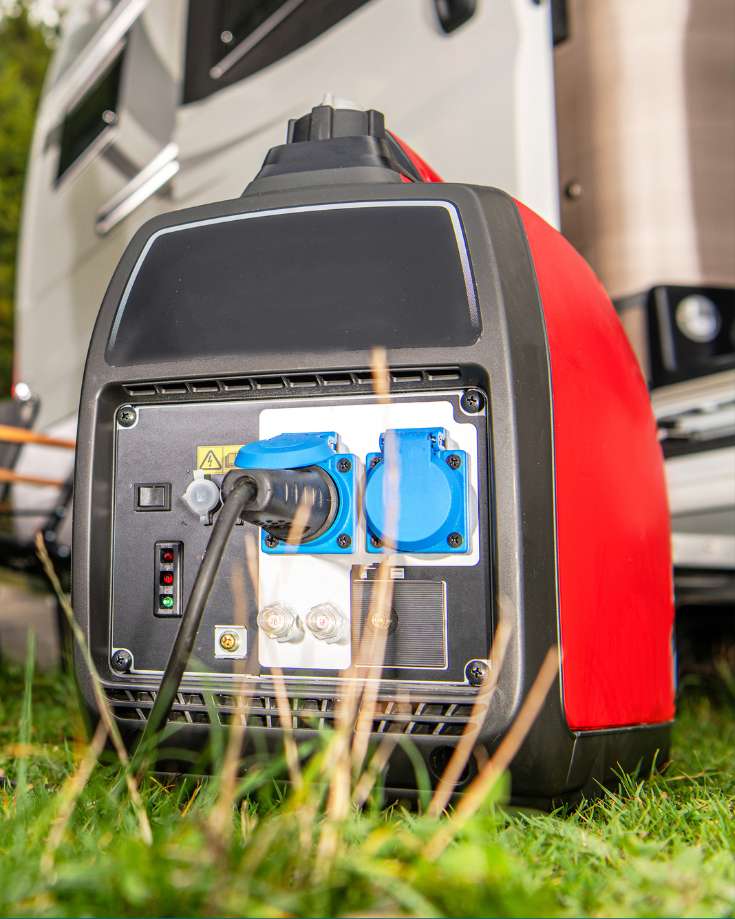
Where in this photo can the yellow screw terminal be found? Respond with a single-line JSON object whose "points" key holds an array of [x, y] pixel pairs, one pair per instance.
{"points": [[229, 641]]}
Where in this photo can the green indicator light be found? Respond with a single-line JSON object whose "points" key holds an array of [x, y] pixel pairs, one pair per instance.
{"points": [[167, 602]]}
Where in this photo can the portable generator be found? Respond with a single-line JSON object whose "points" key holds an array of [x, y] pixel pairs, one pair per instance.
{"points": [[228, 391]]}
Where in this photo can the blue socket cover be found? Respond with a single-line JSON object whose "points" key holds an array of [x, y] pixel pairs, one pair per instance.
{"points": [[295, 451], [431, 515], [288, 451]]}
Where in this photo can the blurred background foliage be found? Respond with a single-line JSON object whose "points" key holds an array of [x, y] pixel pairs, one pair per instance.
{"points": [[25, 47]]}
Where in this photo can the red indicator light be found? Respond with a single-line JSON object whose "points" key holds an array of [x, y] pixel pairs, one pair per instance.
{"points": [[167, 555], [167, 578]]}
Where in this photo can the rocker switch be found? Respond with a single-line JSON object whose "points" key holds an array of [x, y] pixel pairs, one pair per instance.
{"points": [[154, 497]]}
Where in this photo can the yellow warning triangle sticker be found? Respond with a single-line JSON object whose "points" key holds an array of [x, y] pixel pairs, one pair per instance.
{"points": [[216, 458], [211, 462]]}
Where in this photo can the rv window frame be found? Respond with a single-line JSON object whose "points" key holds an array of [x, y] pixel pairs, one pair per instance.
{"points": [[205, 54], [108, 131]]}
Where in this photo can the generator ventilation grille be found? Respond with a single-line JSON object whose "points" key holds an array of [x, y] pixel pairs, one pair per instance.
{"points": [[292, 382], [392, 716]]}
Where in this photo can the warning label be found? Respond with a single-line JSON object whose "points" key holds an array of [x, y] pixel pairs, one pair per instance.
{"points": [[214, 459]]}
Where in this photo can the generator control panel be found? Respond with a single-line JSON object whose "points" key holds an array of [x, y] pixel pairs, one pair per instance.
{"points": [[407, 489]]}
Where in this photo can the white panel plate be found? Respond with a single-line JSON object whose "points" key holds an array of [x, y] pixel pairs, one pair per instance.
{"points": [[302, 581]]}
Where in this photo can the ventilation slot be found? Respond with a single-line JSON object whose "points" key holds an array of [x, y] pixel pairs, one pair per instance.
{"points": [[269, 382], [444, 376], [406, 376], [237, 384], [302, 382], [140, 389], [205, 386], [129, 714], [336, 379], [172, 389]]}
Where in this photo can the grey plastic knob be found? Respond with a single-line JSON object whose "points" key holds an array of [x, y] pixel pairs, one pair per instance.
{"points": [[280, 623], [202, 496], [327, 623]]}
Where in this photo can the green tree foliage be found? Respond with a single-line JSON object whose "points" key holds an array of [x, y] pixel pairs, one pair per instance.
{"points": [[24, 54]]}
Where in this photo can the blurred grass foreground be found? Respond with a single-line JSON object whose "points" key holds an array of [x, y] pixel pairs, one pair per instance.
{"points": [[72, 842]]}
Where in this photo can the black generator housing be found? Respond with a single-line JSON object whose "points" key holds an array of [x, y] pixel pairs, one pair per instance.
{"points": [[231, 324]]}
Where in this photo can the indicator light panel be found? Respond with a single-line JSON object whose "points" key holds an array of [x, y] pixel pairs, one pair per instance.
{"points": [[167, 579]]}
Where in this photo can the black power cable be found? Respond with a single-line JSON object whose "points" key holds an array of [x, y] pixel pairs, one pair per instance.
{"points": [[243, 493], [265, 497]]}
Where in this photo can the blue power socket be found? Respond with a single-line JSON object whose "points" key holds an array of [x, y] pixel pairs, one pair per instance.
{"points": [[295, 451], [429, 512]]}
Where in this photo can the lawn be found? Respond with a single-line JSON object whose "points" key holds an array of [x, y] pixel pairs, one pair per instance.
{"points": [[660, 847]]}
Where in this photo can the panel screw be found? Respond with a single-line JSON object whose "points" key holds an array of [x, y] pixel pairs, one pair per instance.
{"points": [[229, 641], [271, 541], [454, 461], [374, 462], [344, 541], [472, 401], [344, 465], [455, 540], [374, 541], [476, 672], [573, 190], [126, 416], [122, 661]]}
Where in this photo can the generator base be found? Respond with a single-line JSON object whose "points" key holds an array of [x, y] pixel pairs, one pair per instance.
{"points": [[596, 761]]}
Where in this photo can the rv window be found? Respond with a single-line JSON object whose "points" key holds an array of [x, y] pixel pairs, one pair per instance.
{"points": [[95, 113], [228, 40]]}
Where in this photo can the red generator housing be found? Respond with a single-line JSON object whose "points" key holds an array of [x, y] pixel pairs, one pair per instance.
{"points": [[568, 537], [615, 585]]}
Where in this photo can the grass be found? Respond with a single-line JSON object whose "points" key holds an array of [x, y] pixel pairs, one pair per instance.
{"points": [[660, 847]]}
